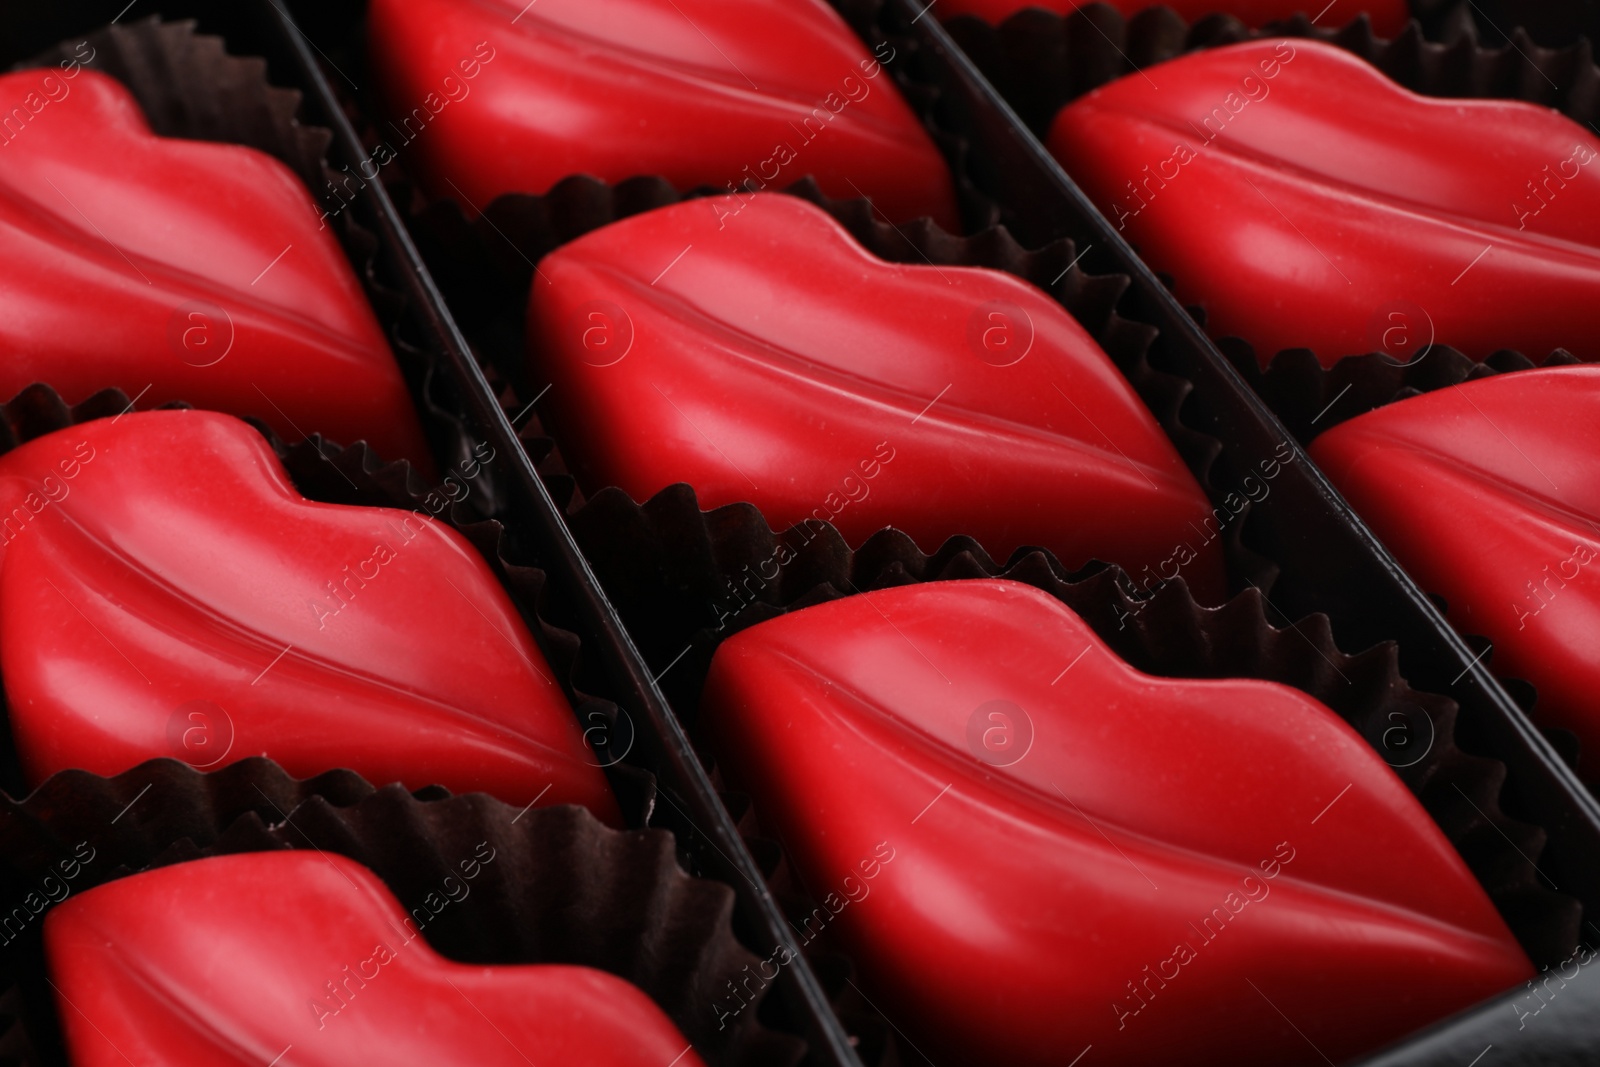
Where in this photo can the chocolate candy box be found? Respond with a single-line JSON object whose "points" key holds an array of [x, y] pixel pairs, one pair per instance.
{"points": [[1209, 431]]}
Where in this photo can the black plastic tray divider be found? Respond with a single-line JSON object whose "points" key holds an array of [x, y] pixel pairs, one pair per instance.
{"points": [[702, 824], [1550, 1022]]}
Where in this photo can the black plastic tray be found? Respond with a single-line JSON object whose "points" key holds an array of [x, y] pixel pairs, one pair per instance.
{"points": [[1331, 562]]}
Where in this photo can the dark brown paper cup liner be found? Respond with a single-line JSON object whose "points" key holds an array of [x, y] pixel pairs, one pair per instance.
{"points": [[190, 87], [1551, 23], [681, 578], [561, 887], [1041, 62], [488, 264], [340, 25], [355, 477], [1311, 400]]}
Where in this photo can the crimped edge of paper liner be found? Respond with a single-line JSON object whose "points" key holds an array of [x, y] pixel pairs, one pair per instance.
{"points": [[562, 888]]}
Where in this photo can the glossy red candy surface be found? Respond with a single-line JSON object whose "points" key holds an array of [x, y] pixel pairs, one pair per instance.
{"points": [[300, 958], [1489, 494], [165, 592], [1030, 848], [180, 270], [1388, 17], [489, 97], [1307, 201], [774, 360]]}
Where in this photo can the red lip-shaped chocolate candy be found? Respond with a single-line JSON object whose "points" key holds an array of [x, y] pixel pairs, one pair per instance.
{"points": [[165, 592], [1489, 494], [1388, 17], [774, 360], [491, 96], [1030, 848], [305, 959], [179, 270], [1307, 201]]}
